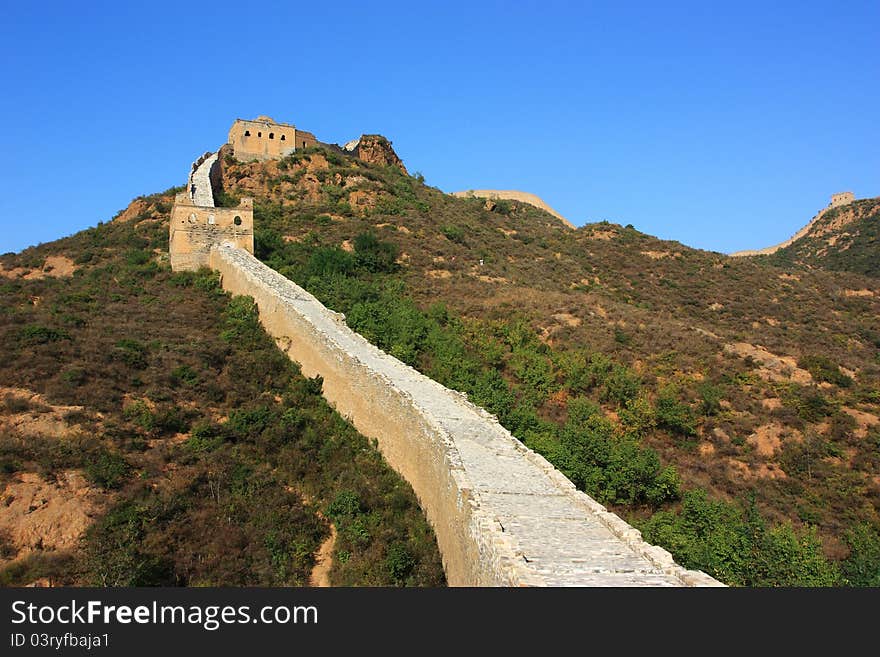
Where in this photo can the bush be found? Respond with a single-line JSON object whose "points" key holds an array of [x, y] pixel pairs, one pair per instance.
{"points": [[862, 567], [614, 469], [34, 334], [453, 233], [344, 506], [374, 255], [330, 261], [734, 544], [673, 414], [399, 563], [710, 399], [107, 469], [823, 369], [204, 437], [132, 353]]}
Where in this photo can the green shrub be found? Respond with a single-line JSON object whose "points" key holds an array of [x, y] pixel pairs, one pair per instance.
{"points": [[453, 233], [246, 424], [862, 567], [345, 505], [823, 369], [204, 437], [735, 545], [615, 469], [710, 398], [374, 255], [399, 563], [131, 352], [107, 469], [184, 374], [674, 415], [330, 261], [34, 334]]}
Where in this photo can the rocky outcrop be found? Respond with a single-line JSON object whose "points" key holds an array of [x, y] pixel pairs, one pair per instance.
{"points": [[376, 149]]}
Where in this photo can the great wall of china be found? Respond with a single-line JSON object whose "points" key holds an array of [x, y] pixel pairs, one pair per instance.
{"points": [[502, 514], [837, 200]]}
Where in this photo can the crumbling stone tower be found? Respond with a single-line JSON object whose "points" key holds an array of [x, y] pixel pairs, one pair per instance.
{"points": [[842, 198], [264, 139]]}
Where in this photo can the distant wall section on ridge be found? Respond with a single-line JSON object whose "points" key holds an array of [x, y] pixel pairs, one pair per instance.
{"points": [[837, 200]]}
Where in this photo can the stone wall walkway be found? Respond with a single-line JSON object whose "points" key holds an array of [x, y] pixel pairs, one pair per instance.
{"points": [[527, 521], [201, 179]]}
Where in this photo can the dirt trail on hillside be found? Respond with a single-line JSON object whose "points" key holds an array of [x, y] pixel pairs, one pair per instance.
{"points": [[320, 576]]}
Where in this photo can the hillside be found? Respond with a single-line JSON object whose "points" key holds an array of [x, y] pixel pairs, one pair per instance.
{"points": [[671, 383], [728, 407], [152, 434], [845, 238]]}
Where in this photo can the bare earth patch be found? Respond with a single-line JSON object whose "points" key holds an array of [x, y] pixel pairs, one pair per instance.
{"points": [[39, 419], [771, 366], [438, 273], [54, 266], [864, 421], [767, 439], [659, 255], [37, 514], [567, 319], [858, 293], [739, 470], [772, 404], [135, 208]]}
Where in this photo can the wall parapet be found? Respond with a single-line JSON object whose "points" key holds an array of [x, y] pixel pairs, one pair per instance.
{"points": [[502, 514]]}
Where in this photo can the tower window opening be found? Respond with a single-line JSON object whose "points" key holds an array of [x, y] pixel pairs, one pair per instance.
{"points": [[282, 138], [259, 134], [271, 135], [247, 133]]}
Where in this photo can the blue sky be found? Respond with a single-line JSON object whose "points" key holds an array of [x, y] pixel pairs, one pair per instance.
{"points": [[722, 125]]}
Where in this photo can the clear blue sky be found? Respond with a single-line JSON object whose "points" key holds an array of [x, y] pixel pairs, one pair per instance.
{"points": [[723, 125]]}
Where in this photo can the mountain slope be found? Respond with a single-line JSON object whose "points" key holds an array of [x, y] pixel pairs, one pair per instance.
{"points": [[729, 407], [752, 380], [152, 433]]}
